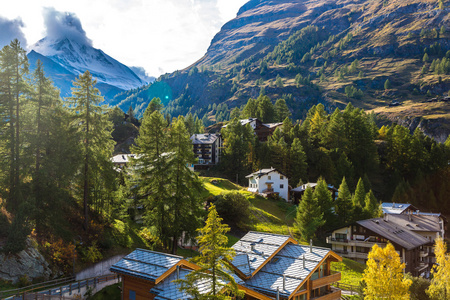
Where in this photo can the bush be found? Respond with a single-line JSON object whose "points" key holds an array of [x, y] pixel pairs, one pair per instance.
{"points": [[233, 207], [91, 254]]}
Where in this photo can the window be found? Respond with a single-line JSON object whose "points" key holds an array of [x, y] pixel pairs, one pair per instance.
{"points": [[281, 186], [132, 295], [270, 177], [281, 177]]}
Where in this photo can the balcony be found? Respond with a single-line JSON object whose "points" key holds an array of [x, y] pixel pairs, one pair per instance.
{"points": [[368, 242], [334, 294], [326, 280]]}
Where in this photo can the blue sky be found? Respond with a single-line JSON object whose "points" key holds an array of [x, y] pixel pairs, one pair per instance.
{"points": [[160, 35]]}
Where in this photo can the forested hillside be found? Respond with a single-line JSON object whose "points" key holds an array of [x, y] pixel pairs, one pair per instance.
{"points": [[369, 53]]}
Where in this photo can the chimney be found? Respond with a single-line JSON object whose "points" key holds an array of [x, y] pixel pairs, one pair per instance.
{"points": [[278, 294], [284, 282], [178, 272], [310, 245], [304, 262], [410, 216], [252, 246]]}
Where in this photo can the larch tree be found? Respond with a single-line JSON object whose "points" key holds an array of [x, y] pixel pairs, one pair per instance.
{"points": [[281, 110], [384, 275], [323, 197], [360, 194], [94, 130], [13, 86], [238, 143], [185, 204], [440, 282], [309, 216], [343, 206], [215, 270], [298, 161], [151, 165], [372, 208]]}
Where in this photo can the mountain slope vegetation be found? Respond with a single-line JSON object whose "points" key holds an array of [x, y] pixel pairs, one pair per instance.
{"points": [[310, 52]]}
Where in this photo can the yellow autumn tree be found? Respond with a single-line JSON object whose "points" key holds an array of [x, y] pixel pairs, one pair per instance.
{"points": [[440, 284], [384, 275]]}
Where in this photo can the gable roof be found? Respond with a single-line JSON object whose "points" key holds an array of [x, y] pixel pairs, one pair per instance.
{"points": [[292, 264], [266, 262], [263, 172], [145, 264], [396, 208], [394, 232], [254, 248], [204, 138]]}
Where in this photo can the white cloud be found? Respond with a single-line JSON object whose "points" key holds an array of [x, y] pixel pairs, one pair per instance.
{"points": [[159, 35]]}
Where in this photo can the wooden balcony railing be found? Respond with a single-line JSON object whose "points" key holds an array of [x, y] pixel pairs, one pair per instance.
{"points": [[335, 294], [326, 280]]}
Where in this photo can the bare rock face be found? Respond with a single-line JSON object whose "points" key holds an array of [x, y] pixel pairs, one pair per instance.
{"points": [[27, 262]]}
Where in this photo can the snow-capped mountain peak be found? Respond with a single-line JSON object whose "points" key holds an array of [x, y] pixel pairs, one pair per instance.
{"points": [[78, 57]]}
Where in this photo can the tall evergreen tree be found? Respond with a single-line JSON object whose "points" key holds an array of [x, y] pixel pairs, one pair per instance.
{"points": [[309, 216], [281, 110], [215, 269], [151, 167], [372, 207], [14, 67], [185, 204], [323, 197], [94, 129], [298, 161], [360, 194], [238, 144], [343, 206]]}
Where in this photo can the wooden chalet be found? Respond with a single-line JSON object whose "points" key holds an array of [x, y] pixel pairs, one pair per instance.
{"points": [[267, 266]]}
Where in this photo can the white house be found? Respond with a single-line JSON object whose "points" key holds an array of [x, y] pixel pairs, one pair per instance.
{"points": [[269, 181]]}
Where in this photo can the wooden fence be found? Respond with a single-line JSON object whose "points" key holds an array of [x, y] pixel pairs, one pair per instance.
{"points": [[55, 289]]}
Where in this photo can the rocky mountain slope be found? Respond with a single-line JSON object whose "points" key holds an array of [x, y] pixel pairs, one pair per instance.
{"points": [[64, 59], [368, 52]]}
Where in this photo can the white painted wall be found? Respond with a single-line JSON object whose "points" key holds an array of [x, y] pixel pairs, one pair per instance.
{"points": [[280, 184]]}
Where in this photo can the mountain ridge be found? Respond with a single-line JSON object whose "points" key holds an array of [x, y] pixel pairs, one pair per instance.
{"points": [[64, 59]]}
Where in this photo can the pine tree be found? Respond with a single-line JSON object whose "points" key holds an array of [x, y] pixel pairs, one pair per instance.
{"points": [[151, 167], [298, 161], [323, 197], [440, 282], [184, 188], [309, 216], [372, 207], [215, 269], [14, 68], [360, 194], [250, 109], [384, 275], [94, 129], [387, 84], [343, 206], [155, 105], [281, 110], [238, 143]]}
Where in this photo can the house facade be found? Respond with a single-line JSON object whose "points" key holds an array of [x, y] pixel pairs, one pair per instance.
{"points": [[267, 266], [267, 182], [412, 236], [261, 130], [298, 192], [207, 148]]}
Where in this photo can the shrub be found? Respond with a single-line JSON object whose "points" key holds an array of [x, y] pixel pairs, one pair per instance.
{"points": [[91, 254], [233, 207]]}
